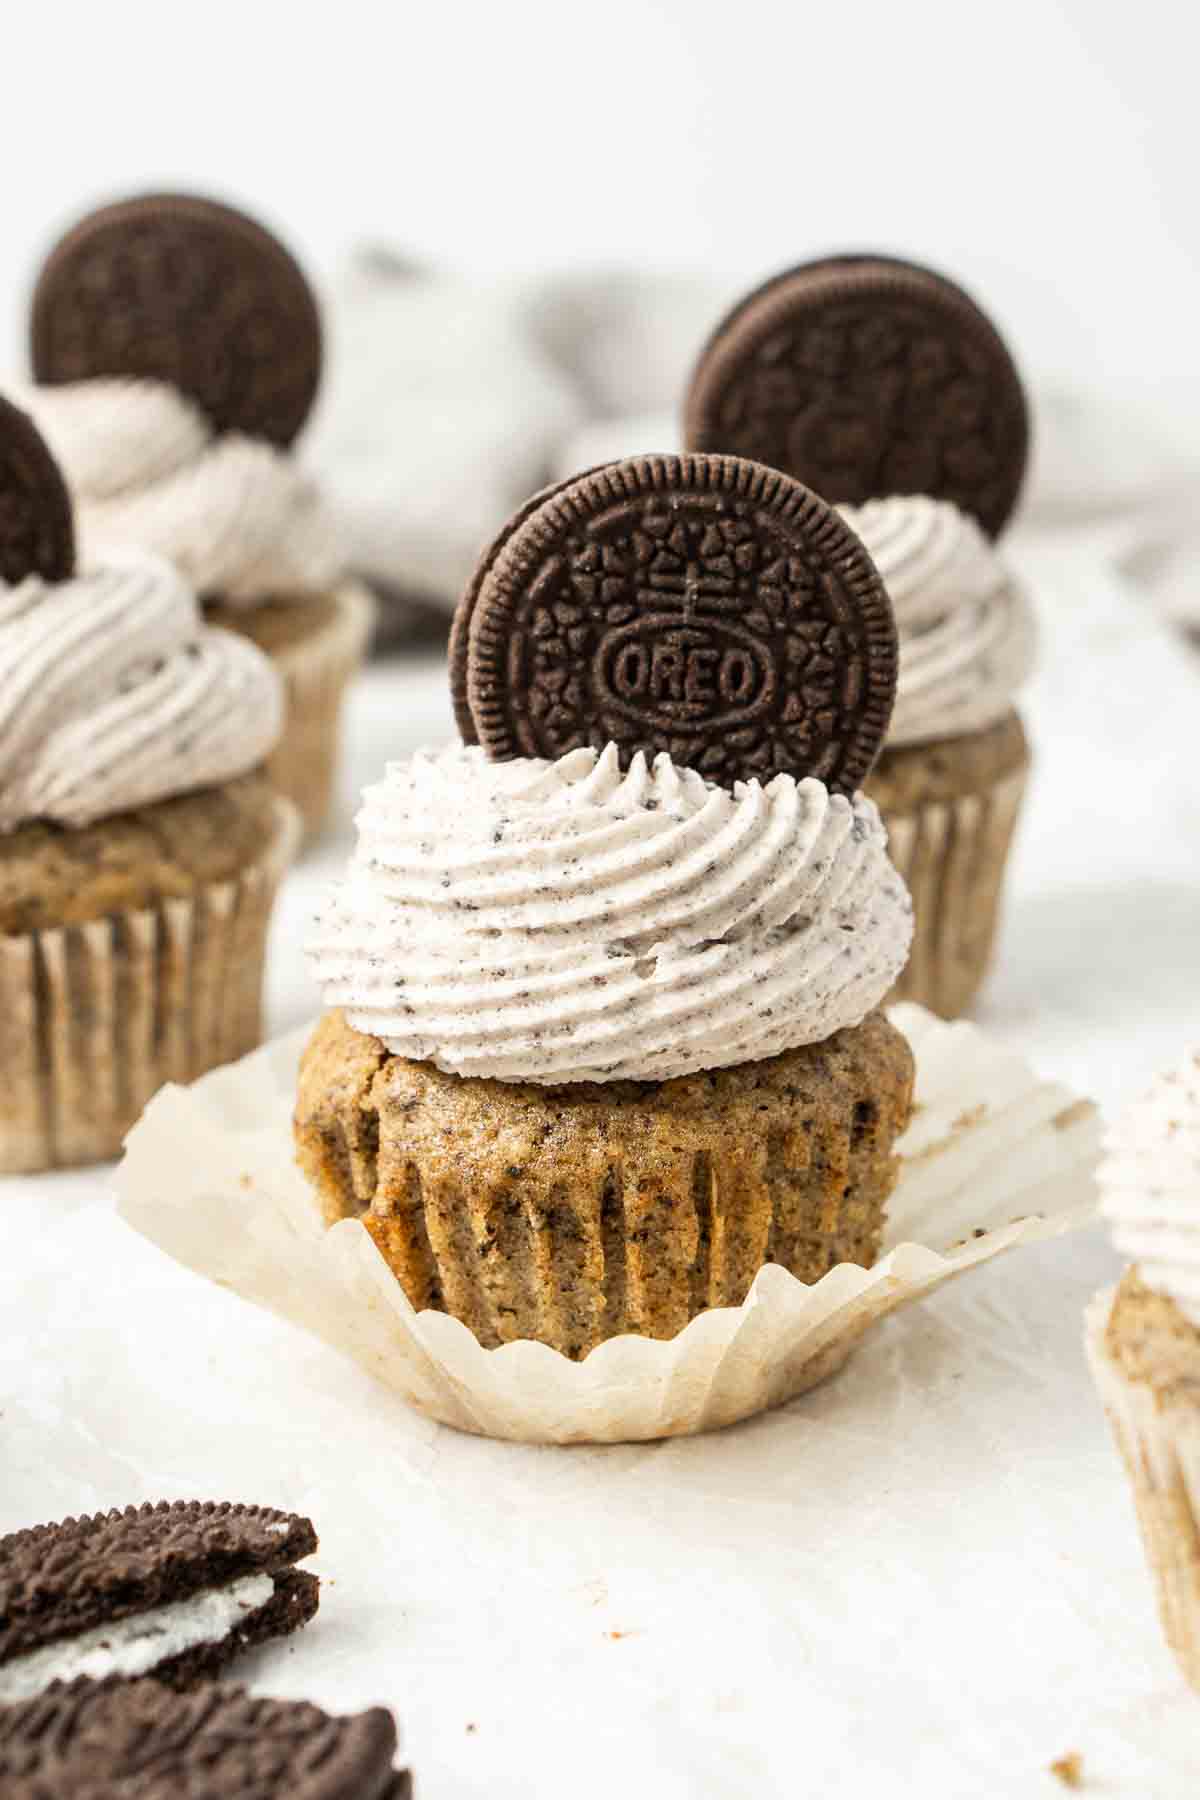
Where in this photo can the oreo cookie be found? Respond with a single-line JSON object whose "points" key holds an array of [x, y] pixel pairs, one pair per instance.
{"points": [[37, 531], [174, 1590], [137, 1740], [700, 605], [173, 288], [864, 376]]}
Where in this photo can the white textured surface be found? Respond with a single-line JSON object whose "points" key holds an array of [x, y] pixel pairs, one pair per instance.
{"points": [[923, 1579]]}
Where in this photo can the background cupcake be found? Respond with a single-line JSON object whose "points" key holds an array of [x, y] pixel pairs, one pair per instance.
{"points": [[177, 350], [884, 387], [139, 850], [604, 1039], [1144, 1341]]}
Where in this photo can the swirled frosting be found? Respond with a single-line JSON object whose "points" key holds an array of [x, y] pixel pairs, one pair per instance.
{"points": [[965, 624], [114, 693], [1150, 1185], [239, 519], [564, 921]]}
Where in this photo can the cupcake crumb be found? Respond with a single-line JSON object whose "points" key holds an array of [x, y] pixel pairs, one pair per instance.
{"points": [[1069, 1769]]}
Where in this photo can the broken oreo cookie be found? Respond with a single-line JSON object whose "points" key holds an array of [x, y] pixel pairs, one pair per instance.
{"points": [[174, 1590], [865, 376], [37, 532], [170, 287], [700, 605]]}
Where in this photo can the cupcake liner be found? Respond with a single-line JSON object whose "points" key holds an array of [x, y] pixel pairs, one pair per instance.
{"points": [[993, 1158], [953, 854], [1160, 1446], [96, 1017], [315, 674]]}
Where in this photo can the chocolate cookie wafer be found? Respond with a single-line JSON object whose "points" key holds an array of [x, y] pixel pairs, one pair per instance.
{"points": [[863, 376], [184, 290], [137, 1740], [174, 1590], [701, 605], [37, 533]]}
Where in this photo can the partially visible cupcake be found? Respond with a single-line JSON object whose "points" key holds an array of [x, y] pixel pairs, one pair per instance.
{"points": [[604, 1037], [951, 777], [1144, 1340], [176, 346], [140, 846]]}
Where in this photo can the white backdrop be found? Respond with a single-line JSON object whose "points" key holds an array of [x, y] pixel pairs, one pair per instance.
{"points": [[1044, 150]]}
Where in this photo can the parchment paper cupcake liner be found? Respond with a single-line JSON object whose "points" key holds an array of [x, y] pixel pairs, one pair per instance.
{"points": [[993, 1158], [315, 674], [953, 854], [1160, 1446], [94, 1018]]}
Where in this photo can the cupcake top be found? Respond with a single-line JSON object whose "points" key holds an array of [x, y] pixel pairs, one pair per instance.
{"points": [[1150, 1185], [237, 516], [115, 693], [565, 921], [966, 628]]}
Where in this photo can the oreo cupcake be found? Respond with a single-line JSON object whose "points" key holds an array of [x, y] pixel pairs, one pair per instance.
{"points": [[885, 388], [140, 848], [604, 1037], [1144, 1340], [176, 346]]}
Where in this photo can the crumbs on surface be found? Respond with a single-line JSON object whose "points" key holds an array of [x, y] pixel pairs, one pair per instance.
{"points": [[1069, 1769]]}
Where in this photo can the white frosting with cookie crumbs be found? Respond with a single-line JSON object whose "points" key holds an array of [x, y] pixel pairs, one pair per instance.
{"points": [[239, 518], [965, 623], [115, 693], [1150, 1185], [136, 1645], [566, 921]]}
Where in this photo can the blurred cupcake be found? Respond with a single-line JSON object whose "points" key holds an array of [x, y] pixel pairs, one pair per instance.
{"points": [[177, 350], [867, 378], [139, 850], [1144, 1340], [605, 1039], [952, 774]]}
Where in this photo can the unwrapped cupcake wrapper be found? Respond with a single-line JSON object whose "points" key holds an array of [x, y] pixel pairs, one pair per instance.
{"points": [[994, 1158], [952, 855], [315, 674], [1160, 1446], [94, 1018]]}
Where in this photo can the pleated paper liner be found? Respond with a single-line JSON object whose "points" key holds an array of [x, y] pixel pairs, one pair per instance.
{"points": [[1160, 1446], [316, 672], [994, 1158], [94, 1018]]}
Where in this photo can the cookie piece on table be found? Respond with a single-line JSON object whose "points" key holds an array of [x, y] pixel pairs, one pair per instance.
{"points": [[137, 1740], [864, 376], [700, 605], [175, 288], [174, 1590]]}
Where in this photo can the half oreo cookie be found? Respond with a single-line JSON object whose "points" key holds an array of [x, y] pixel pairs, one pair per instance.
{"points": [[174, 1590], [864, 376], [37, 531]]}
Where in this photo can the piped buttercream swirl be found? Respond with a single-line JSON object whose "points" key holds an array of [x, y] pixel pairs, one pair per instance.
{"points": [[1150, 1185], [241, 520], [966, 628], [114, 693], [567, 921]]}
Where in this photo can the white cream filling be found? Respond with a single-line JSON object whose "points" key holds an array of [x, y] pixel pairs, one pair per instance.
{"points": [[137, 1645]]}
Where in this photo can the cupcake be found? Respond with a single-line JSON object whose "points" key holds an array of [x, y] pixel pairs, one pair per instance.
{"points": [[140, 844], [603, 1035], [176, 348], [1144, 1339], [886, 389]]}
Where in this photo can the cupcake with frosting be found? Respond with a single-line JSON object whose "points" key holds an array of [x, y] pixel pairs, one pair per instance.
{"points": [[171, 405], [952, 774], [604, 1035], [1144, 1339], [140, 843]]}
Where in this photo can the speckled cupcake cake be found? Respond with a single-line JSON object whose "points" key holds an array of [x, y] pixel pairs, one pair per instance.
{"points": [[1144, 1340], [177, 350], [604, 1038], [140, 849], [884, 387]]}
